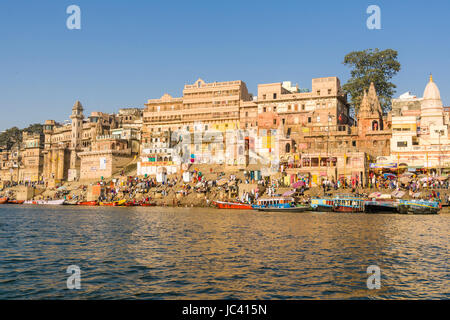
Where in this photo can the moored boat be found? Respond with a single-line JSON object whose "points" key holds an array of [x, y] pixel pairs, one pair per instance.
{"points": [[88, 203], [348, 203], [15, 201], [279, 204], [322, 205], [3, 200], [232, 205], [381, 206], [419, 207], [148, 204], [118, 203], [46, 202]]}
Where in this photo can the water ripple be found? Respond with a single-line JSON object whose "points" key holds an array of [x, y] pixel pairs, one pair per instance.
{"points": [[165, 253]]}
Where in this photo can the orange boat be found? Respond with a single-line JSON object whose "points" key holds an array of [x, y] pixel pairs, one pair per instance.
{"points": [[16, 201], [3, 200], [232, 205], [88, 203]]}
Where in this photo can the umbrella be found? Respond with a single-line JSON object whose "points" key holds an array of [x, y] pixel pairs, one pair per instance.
{"points": [[61, 188], [298, 184], [389, 176], [443, 178], [422, 176], [288, 193]]}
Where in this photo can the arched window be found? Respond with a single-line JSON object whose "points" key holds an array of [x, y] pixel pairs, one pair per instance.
{"points": [[288, 148], [375, 126]]}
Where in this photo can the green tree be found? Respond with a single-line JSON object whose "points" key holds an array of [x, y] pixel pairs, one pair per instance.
{"points": [[372, 65], [14, 135]]}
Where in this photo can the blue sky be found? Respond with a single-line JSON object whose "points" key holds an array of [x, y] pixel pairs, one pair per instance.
{"points": [[129, 51]]}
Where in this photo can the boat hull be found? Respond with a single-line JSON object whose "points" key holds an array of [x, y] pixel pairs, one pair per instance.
{"points": [[16, 201], [46, 202], [88, 203], [119, 203], [3, 200], [232, 205], [291, 209]]}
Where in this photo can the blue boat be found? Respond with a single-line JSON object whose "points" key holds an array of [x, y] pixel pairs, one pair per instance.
{"points": [[339, 203], [279, 204], [419, 207], [322, 204]]}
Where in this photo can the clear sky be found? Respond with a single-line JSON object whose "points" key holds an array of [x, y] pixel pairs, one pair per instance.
{"points": [[129, 51]]}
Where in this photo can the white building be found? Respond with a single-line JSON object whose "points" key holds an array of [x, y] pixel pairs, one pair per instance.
{"points": [[420, 136]]}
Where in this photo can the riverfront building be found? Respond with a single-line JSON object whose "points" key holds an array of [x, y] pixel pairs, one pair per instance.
{"points": [[420, 131]]}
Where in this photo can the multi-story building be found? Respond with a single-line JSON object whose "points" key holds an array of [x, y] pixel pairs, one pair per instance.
{"points": [[199, 121], [64, 142], [32, 157], [420, 129]]}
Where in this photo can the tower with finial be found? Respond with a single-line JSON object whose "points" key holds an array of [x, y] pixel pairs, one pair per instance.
{"points": [[77, 118], [370, 115]]}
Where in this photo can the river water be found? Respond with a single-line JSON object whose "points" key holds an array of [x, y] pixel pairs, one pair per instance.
{"points": [[192, 253]]}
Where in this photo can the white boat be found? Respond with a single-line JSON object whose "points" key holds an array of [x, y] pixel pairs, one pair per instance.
{"points": [[46, 202]]}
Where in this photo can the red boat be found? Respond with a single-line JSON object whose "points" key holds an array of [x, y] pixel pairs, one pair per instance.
{"points": [[232, 205], [88, 203], [151, 204], [16, 201], [3, 200]]}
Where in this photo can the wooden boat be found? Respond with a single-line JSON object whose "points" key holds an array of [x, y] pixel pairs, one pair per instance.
{"points": [[381, 206], [232, 205], [148, 204], [419, 207], [119, 203], [88, 203], [46, 202], [132, 204], [279, 204], [322, 205], [3, 200], [348, 203], [16, 201]]}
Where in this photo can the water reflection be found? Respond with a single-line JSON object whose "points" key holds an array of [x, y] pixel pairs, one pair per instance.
{"points": [[190, 253]]}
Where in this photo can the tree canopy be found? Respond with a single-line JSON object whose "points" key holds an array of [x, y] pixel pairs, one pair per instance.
{"points": [[14, 135], [372, 65]]}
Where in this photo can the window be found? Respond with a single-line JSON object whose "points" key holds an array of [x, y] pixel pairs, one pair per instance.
{"points": [[354, 143], [246, 114], [303, 107], [274, 95], [402, 144], [289, 107], [318, 118], [283, 121], [318, 92], [264, 97], [274, 108], [264, 109], [329, 91], [309, 119], [274, 121]]}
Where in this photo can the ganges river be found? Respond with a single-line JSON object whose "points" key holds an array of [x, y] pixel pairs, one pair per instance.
{"points": [[192, 253]]}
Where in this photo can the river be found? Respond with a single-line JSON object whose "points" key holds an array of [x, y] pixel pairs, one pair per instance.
{"points": [[201, 253]]}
